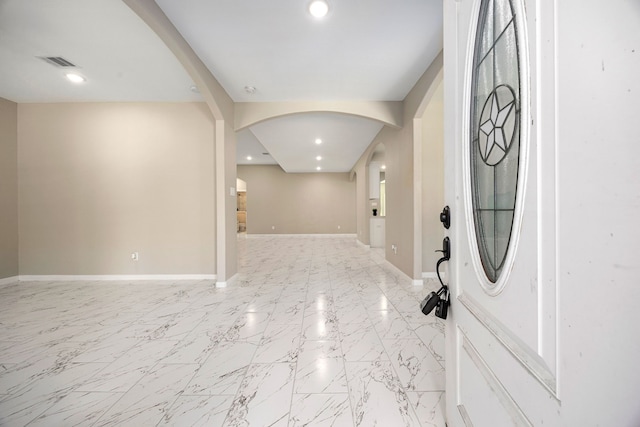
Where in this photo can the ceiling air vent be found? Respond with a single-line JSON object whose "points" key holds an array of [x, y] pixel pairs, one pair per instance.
{"points": [[58, 61]]}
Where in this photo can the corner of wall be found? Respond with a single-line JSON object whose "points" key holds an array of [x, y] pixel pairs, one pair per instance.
{"points": [[9, 250]]}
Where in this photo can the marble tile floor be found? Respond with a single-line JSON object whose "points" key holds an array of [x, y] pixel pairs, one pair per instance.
{"points": [[315, 331]]}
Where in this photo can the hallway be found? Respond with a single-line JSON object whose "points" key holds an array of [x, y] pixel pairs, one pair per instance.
{"points": [[315, 331]]}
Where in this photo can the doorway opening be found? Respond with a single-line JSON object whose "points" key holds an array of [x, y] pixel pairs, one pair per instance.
{"points": [[241, 209], [377, 197]]}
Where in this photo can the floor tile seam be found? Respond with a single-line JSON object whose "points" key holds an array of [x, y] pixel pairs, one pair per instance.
{"points": [[337, 393], [85, 390], [427, 344], [95, 374], [382, 344], [206, 395], [295, 376], [121, 393], [346, 376], [399, 383], [147, 370], [40, 413], [177, 394], [397, 373], [97, 392], [16, 341], [244, 377], [243, 341], [192, 329], [282, 323], [411, 324], [404, 338], [415, 326], [178, 363], [301, 341], [29, 382], [342, 328]]}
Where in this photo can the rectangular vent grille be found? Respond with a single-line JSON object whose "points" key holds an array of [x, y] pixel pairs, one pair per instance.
{"points": [[58, 61]]}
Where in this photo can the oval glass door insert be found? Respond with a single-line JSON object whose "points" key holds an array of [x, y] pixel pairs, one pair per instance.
{"points": [[495, 132]]}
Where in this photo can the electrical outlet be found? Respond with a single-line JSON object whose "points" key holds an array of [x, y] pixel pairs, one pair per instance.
{"points": [[338, 227], [394, 248], [135, 256], [273, 227]]}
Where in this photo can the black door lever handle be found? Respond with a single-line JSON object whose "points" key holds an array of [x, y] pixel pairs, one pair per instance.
{"points": [[439, 300], [446, 249]]}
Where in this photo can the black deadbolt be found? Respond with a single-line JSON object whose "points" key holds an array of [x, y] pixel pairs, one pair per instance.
{"points": [[445, 217]]}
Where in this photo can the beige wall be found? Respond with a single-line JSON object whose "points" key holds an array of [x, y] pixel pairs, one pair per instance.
{"points": [[222, 109], [362, 209], [230, 258], [100, 181], [298, 203], [403, 182], [8, 189], [398, 191], [432, 179], [399, 194]]}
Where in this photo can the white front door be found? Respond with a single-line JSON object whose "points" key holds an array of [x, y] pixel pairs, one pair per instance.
{"points": [[541, 160], [502, 359]]}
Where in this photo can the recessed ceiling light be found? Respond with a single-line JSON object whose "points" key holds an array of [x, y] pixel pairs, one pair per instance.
{"points": [[318, 168], [318, 141], [318, 8], [249, 158], [194, 89], [318, 157], [250, 89], [75, 78]]}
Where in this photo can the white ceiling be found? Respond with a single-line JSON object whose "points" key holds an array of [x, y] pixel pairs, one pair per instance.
{"points": [[291, 140], [364, 50], [121, 58]]}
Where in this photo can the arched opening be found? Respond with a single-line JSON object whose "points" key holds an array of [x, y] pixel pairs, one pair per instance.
{"points": [[301, 185]]}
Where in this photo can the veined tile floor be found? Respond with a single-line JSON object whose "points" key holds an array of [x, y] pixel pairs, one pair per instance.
{"points": [[316, 331]]}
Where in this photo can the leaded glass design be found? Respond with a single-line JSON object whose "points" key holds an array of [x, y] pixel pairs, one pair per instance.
{"points": [[495, 132]]}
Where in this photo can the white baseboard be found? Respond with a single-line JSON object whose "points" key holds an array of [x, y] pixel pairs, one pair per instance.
{"points": [[251, 236], [362, 244], [434, 275], [114, 277], [414, 282], [229, 282], [9, 280]]}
